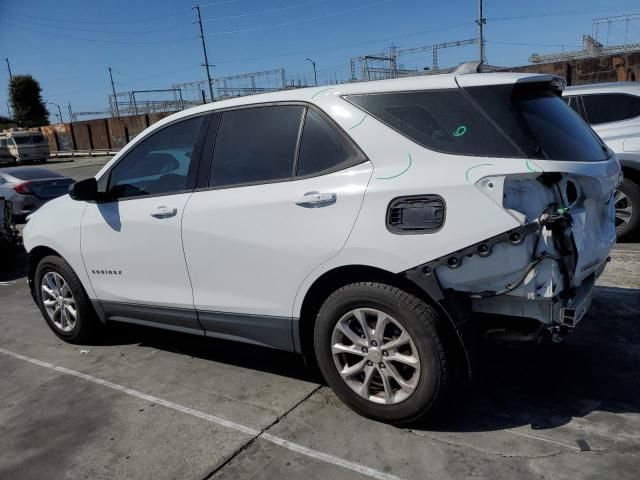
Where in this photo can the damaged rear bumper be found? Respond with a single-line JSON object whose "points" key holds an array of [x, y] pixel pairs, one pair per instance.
{"points": [[558, 312]]}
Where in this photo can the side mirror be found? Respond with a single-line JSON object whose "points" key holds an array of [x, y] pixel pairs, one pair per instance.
{"points": [[84, 190]]}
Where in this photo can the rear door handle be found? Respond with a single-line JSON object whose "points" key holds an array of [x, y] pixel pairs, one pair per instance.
{"points": [[317, 199], [164, 212]]}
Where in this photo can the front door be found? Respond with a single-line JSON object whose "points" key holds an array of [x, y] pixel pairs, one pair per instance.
{"points": [[131, 244]]}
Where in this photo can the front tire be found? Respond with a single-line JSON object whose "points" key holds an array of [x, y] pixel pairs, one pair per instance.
{"points": [[63, 302], [381, 350]]}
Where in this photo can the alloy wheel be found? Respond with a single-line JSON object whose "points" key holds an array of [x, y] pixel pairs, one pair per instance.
{"points": [[624, 209], [375, 356], [59, 302]]}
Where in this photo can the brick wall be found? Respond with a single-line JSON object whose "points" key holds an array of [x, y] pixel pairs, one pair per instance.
{"points": [[611, 68]]}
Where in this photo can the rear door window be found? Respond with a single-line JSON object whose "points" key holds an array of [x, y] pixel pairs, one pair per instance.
{"points": [[256, 145], [323, 147], [611, 107], [442, 120]]}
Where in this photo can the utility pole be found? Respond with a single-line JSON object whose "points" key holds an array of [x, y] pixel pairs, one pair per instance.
{"points": [[70, 113], [9, 68], [204, 50], [315, 75], [113, 89], [481, 21], [59, 111]]}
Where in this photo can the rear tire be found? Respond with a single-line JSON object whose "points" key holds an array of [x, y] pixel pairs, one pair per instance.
{"points": [[400, 377], [627, 210], [63, 302]]}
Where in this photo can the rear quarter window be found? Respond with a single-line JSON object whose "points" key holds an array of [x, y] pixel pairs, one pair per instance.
{"points": [[323, 147]]}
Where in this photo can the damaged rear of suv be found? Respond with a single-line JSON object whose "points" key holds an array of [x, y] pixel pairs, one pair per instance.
{"points": [[503, 194]]}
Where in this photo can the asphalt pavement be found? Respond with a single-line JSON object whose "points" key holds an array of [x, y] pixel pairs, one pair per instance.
{"points": [[149, 404]]}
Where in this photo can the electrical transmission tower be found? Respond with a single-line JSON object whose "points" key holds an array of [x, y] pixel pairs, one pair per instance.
{"points": [[626, 26], [370, 68], [593, 47]]}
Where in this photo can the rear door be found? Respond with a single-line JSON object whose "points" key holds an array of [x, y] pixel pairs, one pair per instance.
{"points": [[282, 196]]}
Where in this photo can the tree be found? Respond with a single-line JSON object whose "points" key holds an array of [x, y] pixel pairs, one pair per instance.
{"points": [[6, 122], [26, 100]]}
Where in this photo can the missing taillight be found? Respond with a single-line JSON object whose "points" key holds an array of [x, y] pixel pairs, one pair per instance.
{"points": [[571, 192]]}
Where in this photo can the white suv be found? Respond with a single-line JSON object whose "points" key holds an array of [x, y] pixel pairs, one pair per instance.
{"points": [[613, 109], [373, 227]]}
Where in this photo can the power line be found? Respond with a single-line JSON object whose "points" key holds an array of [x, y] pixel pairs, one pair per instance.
{"points": [[263, 12], [98, 40], [350, 45], [296, 22], [561, 13], [66, 20], [93, 30], [215, 4], [524, 44]]}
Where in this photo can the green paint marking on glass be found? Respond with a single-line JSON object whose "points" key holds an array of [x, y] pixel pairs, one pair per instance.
{"points": [[322, 91], [404, 171], [476, 166], [359, 123], [460, 131]]}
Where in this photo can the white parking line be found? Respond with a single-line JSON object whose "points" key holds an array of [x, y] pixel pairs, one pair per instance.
{"points": [[294, 447]]}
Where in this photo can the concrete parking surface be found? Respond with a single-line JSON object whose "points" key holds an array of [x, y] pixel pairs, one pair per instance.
{"points": [[151, 404]]}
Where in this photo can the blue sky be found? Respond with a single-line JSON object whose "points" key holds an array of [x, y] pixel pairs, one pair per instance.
{"points": [[68, 44]]}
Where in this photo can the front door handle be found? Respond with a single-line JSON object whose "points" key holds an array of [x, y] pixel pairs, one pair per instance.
{"points": [[164, 212], [317, 199]]}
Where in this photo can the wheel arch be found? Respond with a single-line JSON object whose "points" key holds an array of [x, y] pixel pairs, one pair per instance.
{"points": [[338, 277], [33, 259]]}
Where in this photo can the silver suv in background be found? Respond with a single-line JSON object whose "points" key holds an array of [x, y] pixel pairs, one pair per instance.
{"points": [[613, 110]]}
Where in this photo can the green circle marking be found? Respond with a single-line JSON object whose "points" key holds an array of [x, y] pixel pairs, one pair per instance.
{"points": [[460, 131]]}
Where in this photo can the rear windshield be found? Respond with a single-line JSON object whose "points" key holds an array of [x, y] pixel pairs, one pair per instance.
{"points": [[499, 121], [29, 140], [442, 120], [33, 173]]}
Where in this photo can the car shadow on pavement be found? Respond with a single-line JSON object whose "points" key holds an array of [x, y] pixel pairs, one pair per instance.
{"points": [[243, 355], [545, 386], [594, 369]]}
